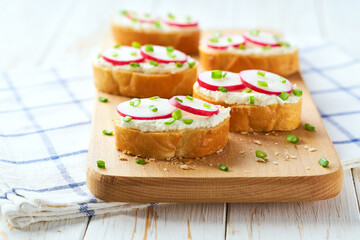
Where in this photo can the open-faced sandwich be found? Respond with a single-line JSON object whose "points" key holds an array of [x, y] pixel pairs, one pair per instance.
{"points": [[180, 32], [180, 127], [144, 71], [253, 49], [259, 100]]}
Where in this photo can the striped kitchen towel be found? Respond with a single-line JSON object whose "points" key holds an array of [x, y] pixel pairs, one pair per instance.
{"points": [[45, 118]]}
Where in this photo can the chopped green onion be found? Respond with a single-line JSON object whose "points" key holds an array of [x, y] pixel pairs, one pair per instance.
{"points": [[285, 44], [252, 100], [172, 17], [247, 90], [135, 19], [266, 48], [123, 12], [188, 19], [140, 161], [153, 108], [100, 164], [107, 132], [282, 79], [229, 40], [170, 49], [171, 121], [135, 102], [214, 40], [216, 74], [102, 99], [262, 83], [277, 39], [292, 138], [177, 115], [323, 162], [297, 92], [261, 73], [254, 32], [127, 119], [309, 127], [179, 64], [154, 63], [133, 53], [154, 98], [178, 99], [207, 105], [222, 89], [147, 15], [191, 64], [284, 96], [191, 98], [134, 64], [114, 54], [136, 44], [170, 54], [188, 121], [223, 168], [260, 154], [157, 24], [149, 48], [117, 46], [224, 75], [99, 55], [242, 47]]}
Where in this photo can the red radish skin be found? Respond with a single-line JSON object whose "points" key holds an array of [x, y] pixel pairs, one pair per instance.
{"points": [[160, 55], [224, 44], [190, 106], [143, 112], [248, 37], [233, 84], [124, 55], [179, 24], [249, 77]]}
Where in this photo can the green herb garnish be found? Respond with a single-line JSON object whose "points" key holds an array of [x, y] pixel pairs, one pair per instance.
{"points": [[154, 63], [191, 98], [178, 99], [207, 105], [222, 89], [169, 49], [292, 138], [260, 154], [170, 16], [135, 102], [149, 48], [114, 54], [107, 132], [157, 24], [127, 119], [140, 161], [216, 74], [266, 48], [260, 73], [117, 46], [102, 99], [223, 168], [154, 98], [309, 127], [188, 121], [284, 96], [134, 64], [179, 64], [297, 92], [153, 108], [171, 121], [242, 47], [177, 115], [262, 83], [191, 64], [100, 164], [254, 32], [323, 162], [247, 90], [252, 100], [136, 44]]}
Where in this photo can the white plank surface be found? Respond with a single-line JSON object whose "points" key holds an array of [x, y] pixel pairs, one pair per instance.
{"points": [[336, 218], [182, 221], [42, 33]]}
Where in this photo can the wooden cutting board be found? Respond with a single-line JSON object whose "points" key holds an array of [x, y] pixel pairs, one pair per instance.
{"points": [[291, 174]]}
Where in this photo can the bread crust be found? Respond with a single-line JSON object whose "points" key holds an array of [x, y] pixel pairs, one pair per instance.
{"points": [[135, 84], [188, 143], [282, 64], [254, 118], [185, 41]]}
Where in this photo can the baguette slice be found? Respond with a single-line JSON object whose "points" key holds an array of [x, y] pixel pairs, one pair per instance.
{"points": [[185, 41], [188, 143], [135, 84], [282, 64], [250, 118]]}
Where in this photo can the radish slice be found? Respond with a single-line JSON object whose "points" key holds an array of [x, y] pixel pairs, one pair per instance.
{"points": [[122, 55], [143, 18], [161, 55], [226, 41], [231, 81], [180, 21], [262, 38], [143, 111], [195, 106], [276, 84]]}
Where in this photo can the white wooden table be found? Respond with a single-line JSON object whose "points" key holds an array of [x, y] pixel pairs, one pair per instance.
{"points": [[44, 33]]}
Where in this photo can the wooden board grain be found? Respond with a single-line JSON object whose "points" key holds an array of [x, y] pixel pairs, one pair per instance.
{"points": [[295, 178]]}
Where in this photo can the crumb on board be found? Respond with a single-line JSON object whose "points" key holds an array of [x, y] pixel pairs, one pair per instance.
{"points": [[186, 167], [276, 153], [275, 163], [165, 169], [267, 134], [276, 143], [262, 160], [306, 147], [242, 152], [247, 171], [244, 133], [255, 133], [187, 161], [257, 142], [122, 159], [312, 149], [308, 168], [210, 164], [292, 156]]}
